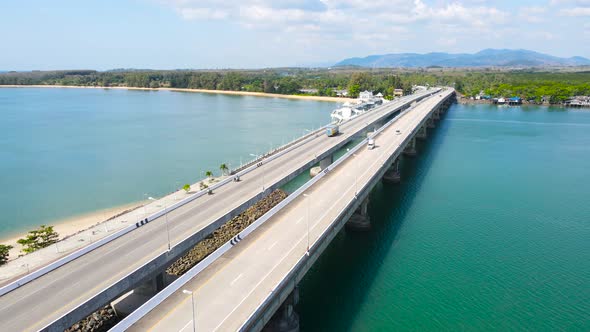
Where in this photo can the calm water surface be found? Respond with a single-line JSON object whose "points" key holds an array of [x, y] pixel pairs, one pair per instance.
{"points": [[64, 152], [488, 231]]}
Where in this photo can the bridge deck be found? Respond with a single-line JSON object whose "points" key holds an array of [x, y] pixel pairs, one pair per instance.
{"points": [[230, 290], [42, 301]]}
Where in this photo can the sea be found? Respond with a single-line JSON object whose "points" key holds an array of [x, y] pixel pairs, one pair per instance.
{"points": [[489, 229]]}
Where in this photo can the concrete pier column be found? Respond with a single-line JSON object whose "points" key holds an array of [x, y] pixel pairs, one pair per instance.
{"points": [[436, 114], [392, 175], [130, 301], [410, 149], [421, 133], [430, 123], [360, 221], [285, 319], [324, 163]]}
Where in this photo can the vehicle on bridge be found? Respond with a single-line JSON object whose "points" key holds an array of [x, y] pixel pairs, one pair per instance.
{"points": [[332, 130], [371, 144]]}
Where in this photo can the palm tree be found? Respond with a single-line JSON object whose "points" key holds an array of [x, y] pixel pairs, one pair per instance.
{"points": [[208, 174], [223, 168]]}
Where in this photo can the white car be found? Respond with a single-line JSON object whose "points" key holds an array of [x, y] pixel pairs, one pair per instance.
{"points": [[398, 132]]}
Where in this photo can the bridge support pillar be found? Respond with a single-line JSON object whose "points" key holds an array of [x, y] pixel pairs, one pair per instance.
{"points": [[285, 319], [324, 163], [360, 221], [127, 303], [436, 114], [392, 175], [410, 149], [430, 122], [421, 133]]}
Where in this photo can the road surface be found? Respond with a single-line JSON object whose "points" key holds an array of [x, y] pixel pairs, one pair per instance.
{"points": [[230, 290]]}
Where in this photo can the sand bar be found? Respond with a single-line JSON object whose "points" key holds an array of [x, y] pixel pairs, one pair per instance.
{"points": [[225, 92]]}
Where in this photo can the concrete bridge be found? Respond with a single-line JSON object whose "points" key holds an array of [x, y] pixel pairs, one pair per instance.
{"points": [[55, 300], [253, 286]]}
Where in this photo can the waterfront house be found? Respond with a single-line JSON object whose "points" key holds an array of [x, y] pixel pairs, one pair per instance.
{"points": [[366, 95], [308, 91], [514, 101], [341, 93]]}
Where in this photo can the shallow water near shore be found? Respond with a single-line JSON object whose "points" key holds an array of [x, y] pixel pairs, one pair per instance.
{"points": [[488, 231], [68, 152]]}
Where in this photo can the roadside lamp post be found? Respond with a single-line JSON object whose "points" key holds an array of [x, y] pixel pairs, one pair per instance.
{"points": [[193, 307], [308, 208], [356, 177], [145, 197], [166, 220], [257, 156]]}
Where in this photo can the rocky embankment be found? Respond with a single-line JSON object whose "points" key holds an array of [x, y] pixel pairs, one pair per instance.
{"points": [[225, 233], [101, 320], [105, 318]]}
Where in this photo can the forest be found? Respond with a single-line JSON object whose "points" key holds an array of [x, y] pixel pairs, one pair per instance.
{"points": [[530, 85]]}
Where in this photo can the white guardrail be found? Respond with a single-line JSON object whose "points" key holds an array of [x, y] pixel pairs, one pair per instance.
{"points": [[182, 280], [62, 261], [307, 256]]}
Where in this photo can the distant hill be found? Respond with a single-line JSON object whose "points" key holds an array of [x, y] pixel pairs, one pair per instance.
{"points": [[485, 58]]}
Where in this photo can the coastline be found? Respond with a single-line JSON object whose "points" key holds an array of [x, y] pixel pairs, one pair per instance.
{"points": [[225, 92], [72, 225]]}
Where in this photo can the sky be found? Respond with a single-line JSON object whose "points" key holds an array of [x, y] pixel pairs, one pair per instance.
{"points": [[210, 34]]}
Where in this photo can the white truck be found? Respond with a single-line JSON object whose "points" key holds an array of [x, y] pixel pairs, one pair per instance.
{"points": [[371, 144]]}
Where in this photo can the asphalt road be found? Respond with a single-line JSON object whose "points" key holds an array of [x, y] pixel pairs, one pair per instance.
{"points": [[229, 291], [40, 302]]}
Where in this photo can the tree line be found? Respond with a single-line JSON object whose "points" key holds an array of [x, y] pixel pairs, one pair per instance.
{"points": [[529, 85]]}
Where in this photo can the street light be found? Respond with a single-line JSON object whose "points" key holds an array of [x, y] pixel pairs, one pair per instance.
{"points": [[356, 177], [262, 178], [308, 208], [193, 305], [166, 219]]}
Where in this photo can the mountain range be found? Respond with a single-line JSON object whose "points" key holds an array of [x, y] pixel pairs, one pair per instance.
{"points": [[485, 58]]}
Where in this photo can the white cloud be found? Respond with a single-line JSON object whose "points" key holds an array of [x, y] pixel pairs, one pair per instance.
{"points": [[576, 11], [381, 24]]}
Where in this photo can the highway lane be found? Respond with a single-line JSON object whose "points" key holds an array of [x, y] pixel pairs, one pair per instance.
{"points": [[228, 292], [47, 298]]}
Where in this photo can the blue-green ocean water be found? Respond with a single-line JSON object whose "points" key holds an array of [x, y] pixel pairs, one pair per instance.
{"points": [[488, 231], [65, 152]]}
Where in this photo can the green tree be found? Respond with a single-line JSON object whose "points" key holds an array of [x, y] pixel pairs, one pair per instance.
{"points": [[223, 168], [38, 238], [4, 252], [187, 187], [208, 174], [354, 90]]}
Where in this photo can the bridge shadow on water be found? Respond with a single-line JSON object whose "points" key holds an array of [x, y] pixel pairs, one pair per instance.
{"points": [[333, 291]]}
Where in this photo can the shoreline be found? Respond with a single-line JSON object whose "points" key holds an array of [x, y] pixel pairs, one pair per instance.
{"points": [[69, 226], [224, 92]]}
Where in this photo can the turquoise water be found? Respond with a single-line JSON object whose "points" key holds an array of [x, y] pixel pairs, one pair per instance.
{"points": [[65, 152], [488, 231]]}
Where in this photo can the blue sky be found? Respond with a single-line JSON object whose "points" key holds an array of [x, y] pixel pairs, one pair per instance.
{"points": [[167, 34]]}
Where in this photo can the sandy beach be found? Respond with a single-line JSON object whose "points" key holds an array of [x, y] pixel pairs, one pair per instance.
{"points": [[73, 225], [225, 92]]}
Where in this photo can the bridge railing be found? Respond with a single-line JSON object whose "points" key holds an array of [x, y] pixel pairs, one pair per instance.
{"points": [[306, 258], [135, 316], [82, 251]]}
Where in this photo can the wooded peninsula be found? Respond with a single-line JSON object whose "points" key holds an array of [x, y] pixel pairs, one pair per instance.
{"points": [[532, 86]]}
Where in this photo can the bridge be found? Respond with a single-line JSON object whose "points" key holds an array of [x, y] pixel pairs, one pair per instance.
{"points": [[254, 285], [58, 297]]}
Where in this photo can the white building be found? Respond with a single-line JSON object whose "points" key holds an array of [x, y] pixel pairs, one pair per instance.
{"points": [[366, 95]]}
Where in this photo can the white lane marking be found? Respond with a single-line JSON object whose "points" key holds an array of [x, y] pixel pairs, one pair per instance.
{"points": [[301, 239], [272, 245], [298, 221], [236, 279], [187, 324]]}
